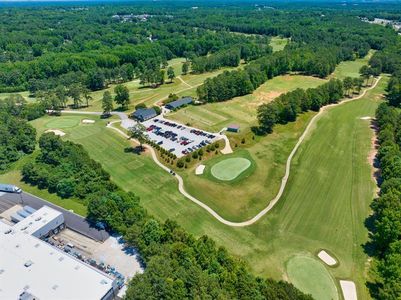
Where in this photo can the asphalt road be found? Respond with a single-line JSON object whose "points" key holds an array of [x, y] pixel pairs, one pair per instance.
{"points": [[72, 220]]}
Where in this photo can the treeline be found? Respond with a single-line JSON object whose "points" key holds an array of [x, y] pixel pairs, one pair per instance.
{"points": [[386, 238], [178, 265], [302, 59], [66, 169], [89, 47], [17, 136], [286, 107], [229, 57]]}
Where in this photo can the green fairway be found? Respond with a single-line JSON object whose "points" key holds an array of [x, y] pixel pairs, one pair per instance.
{"points": [[314, 212], [278, 43], [230, 168], [64, 122], [241, 110], [311, 277], [351, 68]]}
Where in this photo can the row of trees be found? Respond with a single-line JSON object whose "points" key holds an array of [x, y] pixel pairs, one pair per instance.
{"points": [[386, 237], [17, 136], [178, 265], [225, 58], [286, 107], [294, 58]]}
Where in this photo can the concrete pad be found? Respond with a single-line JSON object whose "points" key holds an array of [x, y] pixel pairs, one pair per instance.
{"points": [[199, 169], [56, 132], [349, 290], [327, 258]]}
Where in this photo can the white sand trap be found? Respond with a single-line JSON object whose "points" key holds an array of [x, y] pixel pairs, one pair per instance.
{"points": [[56, 132], [199, 169], [87, 121], [327, 258], [366, 118], [349, 290]]}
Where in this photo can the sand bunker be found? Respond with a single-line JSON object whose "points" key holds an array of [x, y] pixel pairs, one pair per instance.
{"points": [[87, 121], [366, 118], [56, 132], [199, 169], [326, 258], [349, 290]]}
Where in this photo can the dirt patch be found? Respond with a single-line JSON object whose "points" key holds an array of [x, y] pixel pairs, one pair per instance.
{"points": [[265, 97], [56, 132]]}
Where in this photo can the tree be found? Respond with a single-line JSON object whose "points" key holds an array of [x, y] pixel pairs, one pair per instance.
{"points": [[365, 73], [96, 80], [358, 83], [86, 95], [75, 92], [107, 103], [185, 68], [122, 96], [348, 84], [138, 132], [170, 73]]}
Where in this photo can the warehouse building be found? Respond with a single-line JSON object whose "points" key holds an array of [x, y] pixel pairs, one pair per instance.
{"points": [[30, 268]]}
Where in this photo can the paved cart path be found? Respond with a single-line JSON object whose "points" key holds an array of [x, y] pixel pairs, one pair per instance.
{"points": [[284, 180]]}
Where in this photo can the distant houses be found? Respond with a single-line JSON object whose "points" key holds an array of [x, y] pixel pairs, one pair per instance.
{"points": [[144, 114], [179, 103]]}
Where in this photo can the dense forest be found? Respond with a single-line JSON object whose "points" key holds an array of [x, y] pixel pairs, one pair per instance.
{"points": [[178, 265], [17, 136]]}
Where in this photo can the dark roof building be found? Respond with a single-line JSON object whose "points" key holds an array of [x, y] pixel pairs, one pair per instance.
{"points": [[180, 102], [144, 114], [233, 128]]}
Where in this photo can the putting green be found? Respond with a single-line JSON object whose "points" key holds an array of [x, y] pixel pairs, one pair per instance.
{"points": [[310, 276], [64, 122], [230, 168]]}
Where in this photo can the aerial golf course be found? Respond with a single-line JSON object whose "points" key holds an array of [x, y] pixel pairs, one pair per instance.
{"points": [[313, 213]]}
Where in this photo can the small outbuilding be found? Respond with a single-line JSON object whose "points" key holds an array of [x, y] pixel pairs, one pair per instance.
{"points": [[233, 128], [144, 114], [179, 103]]}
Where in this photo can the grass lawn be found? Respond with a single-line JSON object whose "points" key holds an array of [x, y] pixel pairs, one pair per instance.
{"points": [[351, 68], [311, 276], [241, 110], [278, 43], [324, 205]]}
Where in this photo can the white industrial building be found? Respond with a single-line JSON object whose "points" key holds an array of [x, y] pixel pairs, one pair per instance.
{"points": [[33, 269]]}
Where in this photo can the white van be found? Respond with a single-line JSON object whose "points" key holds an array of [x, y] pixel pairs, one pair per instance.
{"points": [[9, 188]]}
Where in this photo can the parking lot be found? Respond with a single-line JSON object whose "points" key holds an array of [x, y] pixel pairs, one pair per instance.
{"points": [[177, 138]]}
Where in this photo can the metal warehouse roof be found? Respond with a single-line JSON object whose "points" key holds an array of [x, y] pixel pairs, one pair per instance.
{"points": [[31, 265], [179, 102]]}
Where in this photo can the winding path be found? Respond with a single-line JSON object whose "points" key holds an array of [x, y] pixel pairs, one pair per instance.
{"points": [[283, 180]]}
